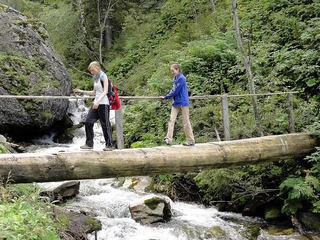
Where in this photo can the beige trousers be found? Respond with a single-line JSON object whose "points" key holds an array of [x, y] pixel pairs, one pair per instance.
{"points": [[185, 121]]}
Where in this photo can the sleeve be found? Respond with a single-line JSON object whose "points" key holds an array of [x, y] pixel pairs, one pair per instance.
{"points": [[176, 90]]}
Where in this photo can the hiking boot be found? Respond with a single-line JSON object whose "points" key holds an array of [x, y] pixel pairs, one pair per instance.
{"points": [[108, 149], [86, 147], [167, 142], [188, 144]]}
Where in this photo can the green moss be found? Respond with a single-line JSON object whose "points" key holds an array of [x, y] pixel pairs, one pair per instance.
{"points": [[47, 114], [216, 232], [2, 6], [3, 149], [94, 225], [16, 81], [133, 184], [272, 213], [254, 232], [152, 203]]}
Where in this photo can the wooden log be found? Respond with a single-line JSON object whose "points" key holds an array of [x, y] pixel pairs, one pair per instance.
{"points": [[35, 167]]}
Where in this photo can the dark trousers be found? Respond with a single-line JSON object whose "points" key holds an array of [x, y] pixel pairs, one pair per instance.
{"points": [[102, 113]]}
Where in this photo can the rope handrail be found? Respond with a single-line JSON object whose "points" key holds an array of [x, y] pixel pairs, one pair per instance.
{"points": [[142, 97]]}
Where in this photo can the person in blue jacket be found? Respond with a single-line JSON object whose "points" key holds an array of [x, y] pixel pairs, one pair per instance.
{"points": [[180, 102]]}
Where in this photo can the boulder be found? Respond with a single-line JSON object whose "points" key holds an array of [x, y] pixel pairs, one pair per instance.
{"points": [[216, 233], [29, 65], [60, 191], [139, 183], [310, 220], [77, 224], [150, 210]]}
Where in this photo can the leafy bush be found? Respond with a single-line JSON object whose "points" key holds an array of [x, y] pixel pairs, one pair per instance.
{"points": [[23, 215], [303, 191]]}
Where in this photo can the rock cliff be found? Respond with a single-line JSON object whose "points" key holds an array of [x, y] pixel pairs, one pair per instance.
{"points": [[29, 65]]}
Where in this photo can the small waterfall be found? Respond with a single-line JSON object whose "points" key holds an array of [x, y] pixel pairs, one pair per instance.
{"points": [[77, 112]]}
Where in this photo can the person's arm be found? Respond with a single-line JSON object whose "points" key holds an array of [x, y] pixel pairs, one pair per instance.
{"points": [[93, 92], [176, 89], [105, 90]]}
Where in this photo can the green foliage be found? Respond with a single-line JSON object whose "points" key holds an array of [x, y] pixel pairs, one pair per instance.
{"points": [[238, 185], [3, 149], [304, 190], [23, 216], [177, 186]]}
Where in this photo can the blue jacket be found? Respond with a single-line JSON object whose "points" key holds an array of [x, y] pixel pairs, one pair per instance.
{"points": [[180, 92]]}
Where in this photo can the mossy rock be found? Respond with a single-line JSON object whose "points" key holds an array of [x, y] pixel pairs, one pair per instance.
{"points": [[272, 213], [216, 232]]}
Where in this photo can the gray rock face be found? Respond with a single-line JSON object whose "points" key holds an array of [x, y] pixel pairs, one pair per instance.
{"points": [[151, 210], [29, 65]]}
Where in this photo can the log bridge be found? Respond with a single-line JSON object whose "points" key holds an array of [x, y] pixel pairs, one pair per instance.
{"points": [[35, 167]]}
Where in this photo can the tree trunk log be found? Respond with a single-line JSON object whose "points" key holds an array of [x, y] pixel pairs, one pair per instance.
{"points": [[35, 167]]}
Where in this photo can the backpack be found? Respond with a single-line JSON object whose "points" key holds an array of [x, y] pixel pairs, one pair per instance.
{"points": [[112, 95]]}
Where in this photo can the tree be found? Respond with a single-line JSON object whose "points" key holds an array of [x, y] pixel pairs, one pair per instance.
{"points": [[247, 65], [104, 12]]}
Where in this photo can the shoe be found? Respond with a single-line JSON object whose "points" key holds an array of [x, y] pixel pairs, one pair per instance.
{"points": [[188, 144], [108, 149], [167, 142], [86, 147]]}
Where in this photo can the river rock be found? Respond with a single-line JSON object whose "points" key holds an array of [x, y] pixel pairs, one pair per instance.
{"points": [[216, 233], [150, 210], [310, 220], [29, 65], [60, 191], [140, 183], [77, 224]]}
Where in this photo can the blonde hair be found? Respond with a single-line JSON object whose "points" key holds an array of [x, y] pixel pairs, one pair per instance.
{"points": [[176, 66], [94, 66]]}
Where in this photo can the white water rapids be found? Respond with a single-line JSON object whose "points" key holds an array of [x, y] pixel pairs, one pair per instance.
{"points": [[110, 204]]}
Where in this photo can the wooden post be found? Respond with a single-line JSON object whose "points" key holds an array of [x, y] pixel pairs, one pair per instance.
{"points": [[291, 113], [225, 117], [119, 128]]}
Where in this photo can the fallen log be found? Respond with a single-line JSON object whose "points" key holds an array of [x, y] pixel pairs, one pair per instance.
{"points": [[35, 167]]}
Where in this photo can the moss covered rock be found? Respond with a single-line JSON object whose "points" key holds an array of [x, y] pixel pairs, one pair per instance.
{"points": [[151, 210], [216, 232], [29, 65]]}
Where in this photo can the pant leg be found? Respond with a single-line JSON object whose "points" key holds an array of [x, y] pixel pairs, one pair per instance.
{"points": [[173, 116], [186, 124], [90, 120], [104, 113]]}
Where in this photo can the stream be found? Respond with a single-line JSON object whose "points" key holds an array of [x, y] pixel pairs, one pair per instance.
{"points": [[109, 203]]}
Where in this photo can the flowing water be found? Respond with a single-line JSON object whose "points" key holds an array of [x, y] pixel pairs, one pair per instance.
{"points": [[110, 204]]}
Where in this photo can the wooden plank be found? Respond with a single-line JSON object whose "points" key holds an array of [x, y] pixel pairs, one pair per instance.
{"points": [[119, 127], [291, 113], [35, 167], [225, 117]]}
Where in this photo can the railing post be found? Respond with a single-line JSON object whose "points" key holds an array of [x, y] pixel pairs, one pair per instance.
{"points": [[119, 128], [291, 113], [225, 117]]}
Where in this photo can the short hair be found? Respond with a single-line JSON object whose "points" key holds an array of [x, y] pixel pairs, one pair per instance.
{"points": [[176, 66], [95, 65]]}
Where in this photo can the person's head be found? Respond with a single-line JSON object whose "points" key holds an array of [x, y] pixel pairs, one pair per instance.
{"points": [[175, 69], [94, 67]]}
